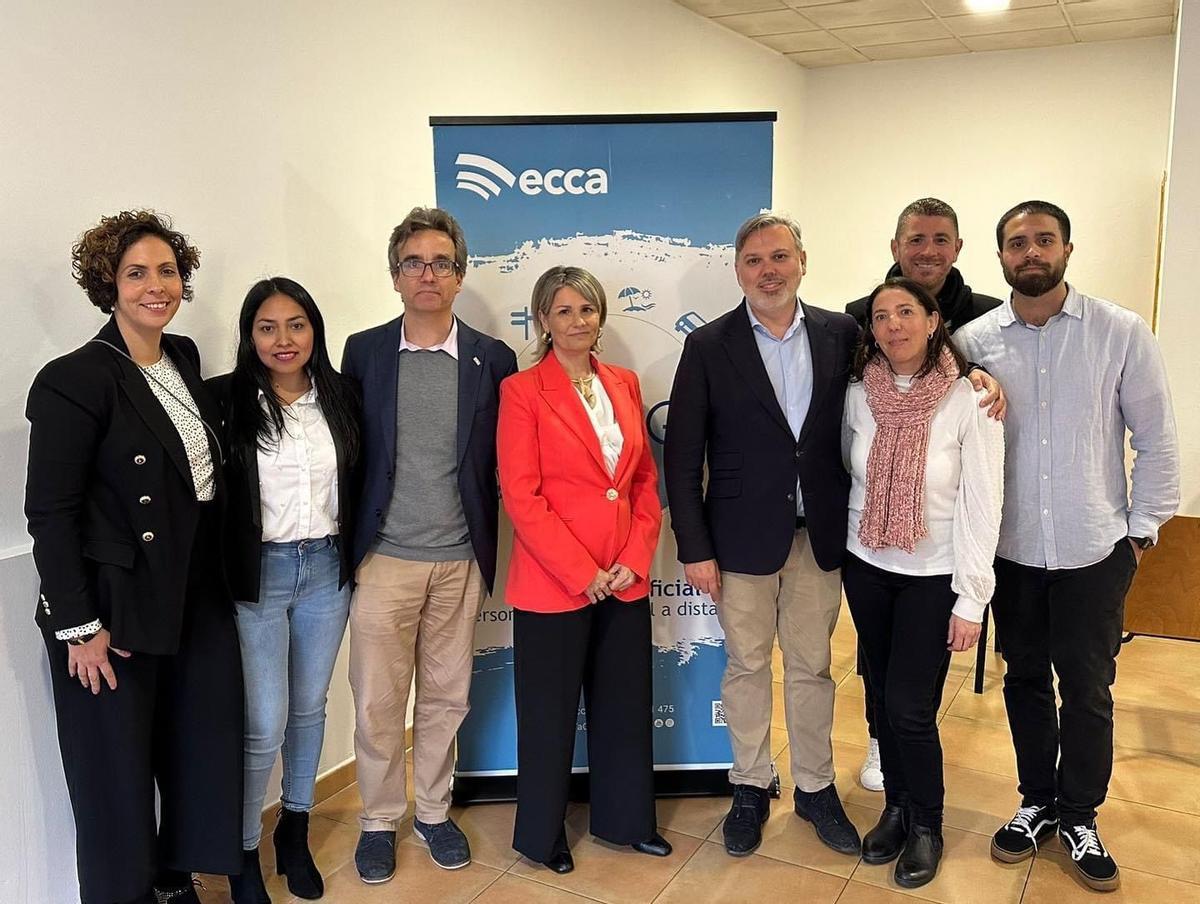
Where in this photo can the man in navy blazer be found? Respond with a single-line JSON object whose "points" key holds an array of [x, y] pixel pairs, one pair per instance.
{"points": [[758, 396], [424, 540]]}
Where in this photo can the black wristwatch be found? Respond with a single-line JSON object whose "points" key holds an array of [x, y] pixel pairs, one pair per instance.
{"points": [[1142, 543], [82, 639]]}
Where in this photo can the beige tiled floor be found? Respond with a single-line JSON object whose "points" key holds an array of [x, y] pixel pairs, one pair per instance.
{"points": [[1150, 823]]}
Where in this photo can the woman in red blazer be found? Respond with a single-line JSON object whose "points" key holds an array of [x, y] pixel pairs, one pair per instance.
{"points": [[579, 483]]}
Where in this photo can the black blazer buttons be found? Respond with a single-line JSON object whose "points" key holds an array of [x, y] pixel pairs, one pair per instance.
{"points": [[143, 500], [139, 459], [148, 536]]}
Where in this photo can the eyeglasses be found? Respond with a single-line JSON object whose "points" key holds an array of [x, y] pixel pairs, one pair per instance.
{"points": [[415, 267]]}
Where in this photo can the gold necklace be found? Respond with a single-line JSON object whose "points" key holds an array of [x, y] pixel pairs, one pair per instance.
{"points": [[584, 385]]}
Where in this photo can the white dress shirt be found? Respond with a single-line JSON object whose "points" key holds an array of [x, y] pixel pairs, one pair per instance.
{"points": [[964, 488], [449, 345], [297, 476]]}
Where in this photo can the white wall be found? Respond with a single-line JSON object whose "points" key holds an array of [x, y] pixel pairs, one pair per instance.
{"points": [[1084, 126], [283, 138], [1179, 329]]}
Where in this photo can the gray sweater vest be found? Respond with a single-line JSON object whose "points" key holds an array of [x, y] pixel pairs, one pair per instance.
{"points": [[425, 520]]}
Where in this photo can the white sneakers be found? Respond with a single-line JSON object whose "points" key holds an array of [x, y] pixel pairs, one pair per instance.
{"points": [[870, 776]]}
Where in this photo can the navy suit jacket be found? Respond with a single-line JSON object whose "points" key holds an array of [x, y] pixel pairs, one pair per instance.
{"points": [[724, 412], [371, 358]]}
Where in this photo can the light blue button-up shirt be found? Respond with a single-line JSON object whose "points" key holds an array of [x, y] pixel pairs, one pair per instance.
{"points": [[789, 367], [1074, 387]]}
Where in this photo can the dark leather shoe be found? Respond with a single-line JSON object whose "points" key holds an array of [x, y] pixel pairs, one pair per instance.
{"points": [[247, 887], [919, 860], [884, 842], [562, 862], [293, 858], [655, 846], [824, 810], [742, 829], [375, 856]]}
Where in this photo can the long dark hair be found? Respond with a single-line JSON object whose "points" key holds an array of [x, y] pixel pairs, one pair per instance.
{"points": [[250, 426], [868, 348]]}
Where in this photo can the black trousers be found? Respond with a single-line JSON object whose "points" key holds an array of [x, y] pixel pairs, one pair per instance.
{"points": [[868, 694], [603, 649], [1068, 620], [173, 721], [902, 622]]}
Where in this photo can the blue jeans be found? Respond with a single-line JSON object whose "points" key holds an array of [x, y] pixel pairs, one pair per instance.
{"points": [[290, 640]]}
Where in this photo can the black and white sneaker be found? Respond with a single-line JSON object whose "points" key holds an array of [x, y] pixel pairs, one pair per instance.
{"points": [[1020, 836], [1092, 861]]}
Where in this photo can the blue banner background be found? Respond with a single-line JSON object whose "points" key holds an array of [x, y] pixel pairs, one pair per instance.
{"points": [[659, 239]]}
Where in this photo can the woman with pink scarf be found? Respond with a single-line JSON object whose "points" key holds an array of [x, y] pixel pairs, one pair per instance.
{"points": [[927, 470]]}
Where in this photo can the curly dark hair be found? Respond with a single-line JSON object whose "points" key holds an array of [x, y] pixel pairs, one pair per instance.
{"points": [[97, 254]]}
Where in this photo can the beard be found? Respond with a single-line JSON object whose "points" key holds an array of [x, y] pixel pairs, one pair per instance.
{"points": [[1034, 281]]}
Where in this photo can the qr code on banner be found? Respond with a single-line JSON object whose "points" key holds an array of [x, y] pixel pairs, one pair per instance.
{"points": [[718, 713]]}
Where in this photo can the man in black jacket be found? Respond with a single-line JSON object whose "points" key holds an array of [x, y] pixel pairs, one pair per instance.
{"points": [[924, 250], [758, 397]]}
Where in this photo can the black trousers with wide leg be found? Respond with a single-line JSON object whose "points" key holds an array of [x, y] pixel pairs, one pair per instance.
{"points": [[175, 722], [603, 650]]}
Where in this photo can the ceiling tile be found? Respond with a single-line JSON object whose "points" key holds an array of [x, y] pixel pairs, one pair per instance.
{"points": [[914, 49], [730, 7], [865, 12], [894, 33], [814, 58], [1009, 20], [1130, 28], [1113, 10], [784, 21], [809, 40], [1019, 40], [961, 7]]}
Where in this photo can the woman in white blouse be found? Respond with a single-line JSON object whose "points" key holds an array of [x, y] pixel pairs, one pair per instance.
{"points": [[292, 429], [927, 468], [578, 480]]}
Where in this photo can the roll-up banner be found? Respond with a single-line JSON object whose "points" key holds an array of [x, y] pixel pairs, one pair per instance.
{"points": [[650, 205]]}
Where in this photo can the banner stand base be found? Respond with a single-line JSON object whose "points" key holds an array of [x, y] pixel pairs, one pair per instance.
{"points": [[480, 789]]}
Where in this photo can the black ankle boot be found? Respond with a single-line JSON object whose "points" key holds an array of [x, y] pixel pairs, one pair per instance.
{"points": [[919, 860], [884, 842], [292, 857], [247, 887], [175, 886]]}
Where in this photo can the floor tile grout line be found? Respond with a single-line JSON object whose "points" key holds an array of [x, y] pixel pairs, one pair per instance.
{"points": [[675, 875]]}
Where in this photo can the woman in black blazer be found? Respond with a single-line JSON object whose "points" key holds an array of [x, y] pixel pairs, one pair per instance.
{"points": [[290, 424], [122, 499]]}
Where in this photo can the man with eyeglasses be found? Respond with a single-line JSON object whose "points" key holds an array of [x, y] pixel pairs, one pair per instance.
{"points": [[424, 537]]}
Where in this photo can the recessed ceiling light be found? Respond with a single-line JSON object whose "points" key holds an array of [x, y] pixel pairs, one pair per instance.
{"points": [[987, 6]]}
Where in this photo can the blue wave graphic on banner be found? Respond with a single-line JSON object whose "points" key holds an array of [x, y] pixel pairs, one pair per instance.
{"points": [[508, 184]]}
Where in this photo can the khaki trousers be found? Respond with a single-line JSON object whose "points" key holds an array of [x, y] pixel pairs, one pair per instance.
{"points": [[801, 604], [410, 616]]}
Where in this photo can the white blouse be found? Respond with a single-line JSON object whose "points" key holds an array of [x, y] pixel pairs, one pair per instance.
{"points": [[172, 393], [297, 476], [604, 422], [964, 491]]}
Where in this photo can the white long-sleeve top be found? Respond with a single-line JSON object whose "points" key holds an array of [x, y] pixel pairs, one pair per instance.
{"points": [[964, 494], [297, 476]]}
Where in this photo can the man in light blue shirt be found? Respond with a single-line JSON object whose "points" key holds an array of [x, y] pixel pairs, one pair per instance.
{"points": [[1079, 372]]}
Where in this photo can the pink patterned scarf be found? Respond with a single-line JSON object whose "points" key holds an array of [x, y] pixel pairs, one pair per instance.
{"points": [[894, 510]]}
